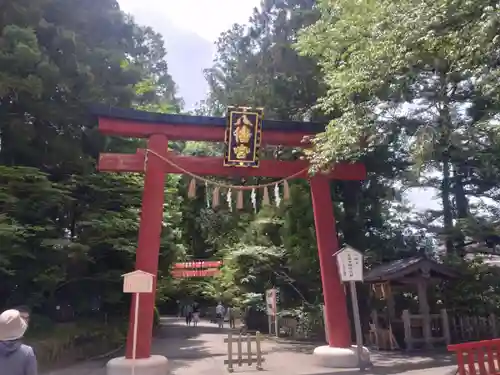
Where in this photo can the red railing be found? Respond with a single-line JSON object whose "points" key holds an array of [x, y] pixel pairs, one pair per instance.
{"points": [[478, 358]]}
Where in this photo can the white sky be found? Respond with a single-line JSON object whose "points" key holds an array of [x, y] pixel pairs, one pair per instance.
{"points": [[207, 18]]}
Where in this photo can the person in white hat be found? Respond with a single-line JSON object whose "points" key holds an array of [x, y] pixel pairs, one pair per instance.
{"points": [[15, 357]]}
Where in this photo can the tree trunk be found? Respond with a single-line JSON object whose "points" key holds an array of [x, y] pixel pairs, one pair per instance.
{"points": [[351, 229], [445, 127], [461, 201], [447, 209], [461, 204], [353, 235]]}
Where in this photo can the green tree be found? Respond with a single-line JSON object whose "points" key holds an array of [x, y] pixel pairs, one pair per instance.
{"points": [[429, 69], [65, 228]]}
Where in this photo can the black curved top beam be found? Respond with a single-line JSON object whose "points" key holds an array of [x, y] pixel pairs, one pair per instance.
{"points": [[162, 118]]}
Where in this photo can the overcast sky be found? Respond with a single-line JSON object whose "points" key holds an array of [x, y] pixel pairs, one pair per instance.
{"points": [[207, 18], [190, 28]]}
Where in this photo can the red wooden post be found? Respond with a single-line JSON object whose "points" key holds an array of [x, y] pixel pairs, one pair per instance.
{"points": [[337, 320], [148, 247]]}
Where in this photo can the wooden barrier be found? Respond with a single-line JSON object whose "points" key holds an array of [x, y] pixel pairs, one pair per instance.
{"points": [[465, 328], [471, 357], [239, 339], [381, 338], [426, 327]]}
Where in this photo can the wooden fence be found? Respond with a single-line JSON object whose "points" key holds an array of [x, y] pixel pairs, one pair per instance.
{"points": [[416, 335], [473, 328], [444, 328], [409, 330], [247, 357]]}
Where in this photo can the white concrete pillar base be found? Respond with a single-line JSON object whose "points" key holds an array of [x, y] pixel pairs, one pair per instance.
{"points": [[154, 365], [331, 357]]}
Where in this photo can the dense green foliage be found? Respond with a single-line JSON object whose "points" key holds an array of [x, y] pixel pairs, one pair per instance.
{"points": [[260, 65], [65, 229], [408, 88], [428, 76]]}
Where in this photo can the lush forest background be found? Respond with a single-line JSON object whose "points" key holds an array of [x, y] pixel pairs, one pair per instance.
{"points": [[409, 88]]}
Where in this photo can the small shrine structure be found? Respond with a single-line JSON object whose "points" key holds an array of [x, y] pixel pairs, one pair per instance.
{"points": [[416, 330]]}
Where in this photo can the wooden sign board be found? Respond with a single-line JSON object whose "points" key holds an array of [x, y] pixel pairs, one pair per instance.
{"points": [[138, 282], [243, 137], [350, 263], [271, 301]]}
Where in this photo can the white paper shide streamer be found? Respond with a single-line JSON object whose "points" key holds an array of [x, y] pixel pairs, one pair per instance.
{"points": [[253, 197], [229, 199], [212, 194], [277, 198], [207, 195]]}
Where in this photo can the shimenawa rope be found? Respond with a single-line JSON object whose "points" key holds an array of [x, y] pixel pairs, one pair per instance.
{"points": [[219, 184]]}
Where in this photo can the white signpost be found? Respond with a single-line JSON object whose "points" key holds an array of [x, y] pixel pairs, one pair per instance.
{"points": [[271, 308], [137, 282], [350, 264]]}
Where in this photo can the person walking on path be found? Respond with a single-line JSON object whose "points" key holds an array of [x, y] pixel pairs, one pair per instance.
{"points": [[15, 357], [196, 314], [189, 314], [230, 315], [219, 312]]}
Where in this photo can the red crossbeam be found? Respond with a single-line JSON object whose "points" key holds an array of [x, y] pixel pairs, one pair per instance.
{"points": [[212, 166], [477, 358], [185, 132]]}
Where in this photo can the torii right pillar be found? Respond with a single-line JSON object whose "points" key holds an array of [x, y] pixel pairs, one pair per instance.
{"points": [[339, 352]]}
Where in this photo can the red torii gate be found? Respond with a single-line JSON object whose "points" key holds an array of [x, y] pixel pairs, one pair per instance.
{"points": [[159, 129]]}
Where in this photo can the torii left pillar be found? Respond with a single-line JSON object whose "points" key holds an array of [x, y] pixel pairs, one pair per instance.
{"points": [[146, 260], [338, 353]]}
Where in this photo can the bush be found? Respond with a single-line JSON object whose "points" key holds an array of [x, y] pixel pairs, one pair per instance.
{"points": [[66, 343]]}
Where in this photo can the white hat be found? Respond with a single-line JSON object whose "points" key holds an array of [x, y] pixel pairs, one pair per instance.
{"points": [[12, 326]]}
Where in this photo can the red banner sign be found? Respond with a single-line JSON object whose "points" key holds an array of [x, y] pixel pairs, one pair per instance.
{"points": [[182, 273], [198, 264]]}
